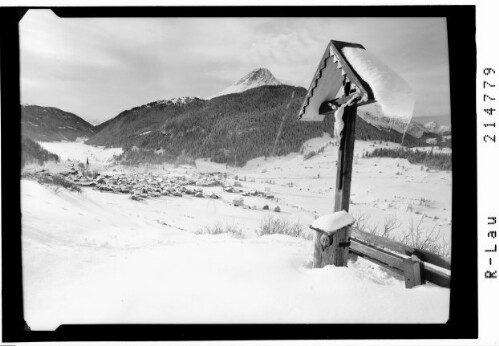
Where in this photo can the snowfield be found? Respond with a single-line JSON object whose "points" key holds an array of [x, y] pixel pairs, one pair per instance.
{"points": [[99, 257], [79, 151]]}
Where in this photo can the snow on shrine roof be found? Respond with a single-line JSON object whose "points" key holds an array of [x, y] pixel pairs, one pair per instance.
{"points": [[370, 79], [333, 71], [391, 91], [332, 222]]}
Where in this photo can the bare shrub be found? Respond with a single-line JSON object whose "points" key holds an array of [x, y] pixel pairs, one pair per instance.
{"points": [[416, 235], [391, 223], [425, 202], [279, 225], [361, 220], [58, 181], [362, 223], [220, 228], [373, 229], [309, 155], [431, 240]]}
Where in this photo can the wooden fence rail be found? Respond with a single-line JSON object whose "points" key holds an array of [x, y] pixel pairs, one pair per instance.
{"points": [[416, 265]]}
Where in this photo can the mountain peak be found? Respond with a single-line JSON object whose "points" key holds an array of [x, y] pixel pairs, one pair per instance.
{"points": [[259, 75], [435, 127], [256, 78]]}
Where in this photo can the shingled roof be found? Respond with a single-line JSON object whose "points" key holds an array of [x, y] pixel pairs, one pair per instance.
{"points": [[334, 71]]}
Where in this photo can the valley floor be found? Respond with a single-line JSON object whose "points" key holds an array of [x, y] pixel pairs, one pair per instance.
{"points": [[99, 257]]}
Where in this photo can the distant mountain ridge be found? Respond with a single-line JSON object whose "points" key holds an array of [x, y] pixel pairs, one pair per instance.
{"points": [[51, 124], [231, 128], [414, 128], [436, 128], [442, 119]]}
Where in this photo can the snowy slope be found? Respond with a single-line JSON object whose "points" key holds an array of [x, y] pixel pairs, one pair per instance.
{"points": [[99, 257], [102, 258], [78, 151], [256, 78]]}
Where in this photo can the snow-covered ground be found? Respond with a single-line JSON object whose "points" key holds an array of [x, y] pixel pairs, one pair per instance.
{"points": [[99, 257]]}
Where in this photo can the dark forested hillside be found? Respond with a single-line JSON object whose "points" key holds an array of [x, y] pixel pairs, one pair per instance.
{"points": [[32, 152], [52, 124], [130, 125], [433, 160], [228, 129]]}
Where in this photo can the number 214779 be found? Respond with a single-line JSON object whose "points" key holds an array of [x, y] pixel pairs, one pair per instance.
{"points": [[489, 101]]}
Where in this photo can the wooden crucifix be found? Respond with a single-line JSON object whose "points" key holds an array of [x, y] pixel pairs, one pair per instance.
{"points": [[337, 86]]}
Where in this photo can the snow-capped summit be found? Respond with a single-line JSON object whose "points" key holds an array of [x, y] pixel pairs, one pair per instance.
{"points": [[256, 78], [435, 127], [177, 100]]}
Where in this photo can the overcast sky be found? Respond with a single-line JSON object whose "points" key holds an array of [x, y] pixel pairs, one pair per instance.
{"points": [[96, 68]]}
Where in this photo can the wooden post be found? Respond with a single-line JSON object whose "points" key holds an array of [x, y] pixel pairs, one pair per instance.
{"points": [[339, 243], [341, 246], [332, 249], [345, 160], [413, 272]]}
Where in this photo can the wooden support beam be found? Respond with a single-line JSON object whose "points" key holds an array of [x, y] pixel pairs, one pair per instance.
{"points": [[345, 158], [343, 182], [385, 259], [338, 245]]}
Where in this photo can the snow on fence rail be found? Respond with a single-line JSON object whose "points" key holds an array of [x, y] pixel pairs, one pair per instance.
{"points": [[416, 265]]}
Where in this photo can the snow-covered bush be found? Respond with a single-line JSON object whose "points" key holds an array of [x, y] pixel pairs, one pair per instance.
{"points": [[309, 155], [220, 228], [279, 225], [58, 181]]}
